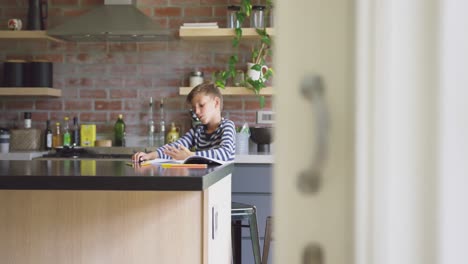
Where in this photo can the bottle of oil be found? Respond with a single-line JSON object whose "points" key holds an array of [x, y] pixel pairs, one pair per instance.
{"points": [[57, 139], [162, 125], [119, 132], [66, 133], [76, 132]]}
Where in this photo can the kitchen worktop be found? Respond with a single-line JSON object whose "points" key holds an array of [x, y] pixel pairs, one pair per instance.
{"points": [[104, 175], [22, 155]]}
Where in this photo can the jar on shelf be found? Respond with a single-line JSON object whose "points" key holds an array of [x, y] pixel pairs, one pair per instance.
{"points": [[231, 16], [196, 78], [257, 18]]}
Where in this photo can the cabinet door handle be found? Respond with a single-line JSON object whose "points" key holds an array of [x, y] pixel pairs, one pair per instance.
{"points": [[312, 89]]}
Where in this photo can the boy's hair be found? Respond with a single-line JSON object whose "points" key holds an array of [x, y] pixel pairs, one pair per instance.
{"points": [[206, 88]]}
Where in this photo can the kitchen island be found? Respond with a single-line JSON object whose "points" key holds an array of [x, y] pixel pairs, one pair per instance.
{"points": [[90, 211]]}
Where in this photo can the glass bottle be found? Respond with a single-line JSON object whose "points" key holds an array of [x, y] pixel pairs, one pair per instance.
{"points": [[76, 132], [232, 21], [66, 133], [27, 120], [48, 136], [150, 124], [119, 132], [162, 125], [257, 18], [57, 139]]}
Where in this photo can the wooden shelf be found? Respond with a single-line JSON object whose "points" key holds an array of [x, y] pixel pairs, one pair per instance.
{"points": [[26, 34], [218, 33], [30, 91], [232, 91]]}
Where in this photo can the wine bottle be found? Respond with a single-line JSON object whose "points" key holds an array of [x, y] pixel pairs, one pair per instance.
{"points": [[48, 136], [76, 132], [119, 132]]}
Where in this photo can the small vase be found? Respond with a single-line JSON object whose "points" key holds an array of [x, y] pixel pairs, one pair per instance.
{"points": [[254, 74]]}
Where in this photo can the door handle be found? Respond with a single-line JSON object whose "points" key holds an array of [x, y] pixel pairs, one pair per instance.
{"points": [[312, 89]]}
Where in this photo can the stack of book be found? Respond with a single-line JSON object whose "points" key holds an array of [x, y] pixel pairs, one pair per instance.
{"points": [[200, 25]]}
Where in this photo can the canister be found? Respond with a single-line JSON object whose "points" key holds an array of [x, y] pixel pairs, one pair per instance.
{"points": [[41, 73], [257, 18], [231, 16], [14, 73], [196, 78]]}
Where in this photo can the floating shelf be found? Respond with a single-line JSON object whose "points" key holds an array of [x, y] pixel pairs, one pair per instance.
{"points": [[218, 33], [26, 34], [232, 91], [30, 91]]}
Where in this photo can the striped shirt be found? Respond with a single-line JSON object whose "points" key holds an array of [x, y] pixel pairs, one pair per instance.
{"points": [[220, 144]]}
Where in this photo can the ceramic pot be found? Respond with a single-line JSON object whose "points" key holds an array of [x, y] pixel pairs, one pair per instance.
{"points": [[254, 74]]}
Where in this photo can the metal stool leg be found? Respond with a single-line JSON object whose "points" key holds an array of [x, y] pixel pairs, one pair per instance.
{"points": [[236, 239], [254, 237], [267, 240]]}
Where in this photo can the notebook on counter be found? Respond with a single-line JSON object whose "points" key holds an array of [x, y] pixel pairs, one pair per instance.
{"points": [[190, 160]]}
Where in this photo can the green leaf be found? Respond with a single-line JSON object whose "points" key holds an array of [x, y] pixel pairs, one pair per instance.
{"points": [[256, 67]]}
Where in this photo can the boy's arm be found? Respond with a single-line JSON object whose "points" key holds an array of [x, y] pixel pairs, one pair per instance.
{"points": [[226, 149], [186, 141]]}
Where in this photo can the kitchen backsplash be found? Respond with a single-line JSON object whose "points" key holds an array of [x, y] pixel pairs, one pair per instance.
{"points": [[101, 80]]}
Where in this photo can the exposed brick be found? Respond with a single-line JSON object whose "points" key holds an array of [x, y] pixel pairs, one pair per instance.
{"points": [[39, 119], [123, 94], [138, 83], [32, 46], [69, 92], [129, 70], [107, 105], [230, 103], [63, 46], [19, 105], [94, 69], [50, 57], [87, 117], [151, 69], [213, 2], [6, 3], [133, 105], [152, 46], [113, 82], [49, 104], [78, 82], [167, 11], [255, 104], [98, 93], [129, 118], [240, 118], [158, 93], [77, 105], [125, 47], [219, 11], [92, 47], [206, 11]]}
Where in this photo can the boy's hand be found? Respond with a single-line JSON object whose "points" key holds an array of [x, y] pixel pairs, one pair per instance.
{"points": [[178, 153]]}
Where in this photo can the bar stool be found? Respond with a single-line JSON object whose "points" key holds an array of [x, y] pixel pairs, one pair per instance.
{"points": [[267, 239], [240, 212]]}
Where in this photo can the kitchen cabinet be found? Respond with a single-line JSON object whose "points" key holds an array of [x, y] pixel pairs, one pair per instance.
{"points": [[30, 91], [232, 91], [26, 35], [218, 33]]}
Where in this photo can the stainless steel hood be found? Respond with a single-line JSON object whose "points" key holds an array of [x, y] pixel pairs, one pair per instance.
{"points": [[116, 20]]}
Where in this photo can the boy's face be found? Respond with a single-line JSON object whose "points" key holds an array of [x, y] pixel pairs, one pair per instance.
{"points": [[206, 107]]}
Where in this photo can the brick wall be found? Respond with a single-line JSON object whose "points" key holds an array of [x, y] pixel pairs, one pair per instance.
{"points": [[101, 80]]}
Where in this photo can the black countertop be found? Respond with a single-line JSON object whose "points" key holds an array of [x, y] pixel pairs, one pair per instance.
{"points": [[104, 175]]}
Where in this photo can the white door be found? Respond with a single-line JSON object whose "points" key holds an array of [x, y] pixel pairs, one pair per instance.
{"points": [[314, 44], [393, 184]]}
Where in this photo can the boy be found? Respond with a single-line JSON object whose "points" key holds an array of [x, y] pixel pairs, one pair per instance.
{"points": [[214, 138]]}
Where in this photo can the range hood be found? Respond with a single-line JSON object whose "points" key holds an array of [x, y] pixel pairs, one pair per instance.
{"points": [[116, 20]]}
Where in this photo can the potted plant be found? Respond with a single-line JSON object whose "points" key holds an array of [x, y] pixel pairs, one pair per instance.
{"points": [[257, 72]]}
